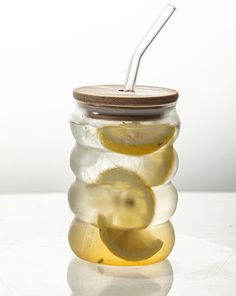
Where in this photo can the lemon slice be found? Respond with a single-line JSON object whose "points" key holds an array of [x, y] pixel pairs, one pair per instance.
{"points": [[157, 168], [131, 200], [131, 245], [135, 138]]}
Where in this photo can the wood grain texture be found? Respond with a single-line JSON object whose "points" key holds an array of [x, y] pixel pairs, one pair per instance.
{"points": [[112, 95]]}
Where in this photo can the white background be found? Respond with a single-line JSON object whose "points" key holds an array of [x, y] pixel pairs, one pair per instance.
{"points": [[47, 48]]}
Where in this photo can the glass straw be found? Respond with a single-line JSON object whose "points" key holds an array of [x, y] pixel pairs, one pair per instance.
{"points": [[144, 44]]}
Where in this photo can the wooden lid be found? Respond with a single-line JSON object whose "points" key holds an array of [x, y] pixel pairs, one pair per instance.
{"points": [[112, 95]]}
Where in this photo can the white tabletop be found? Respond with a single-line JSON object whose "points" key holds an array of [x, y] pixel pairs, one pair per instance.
{"points": [[35, 258]]}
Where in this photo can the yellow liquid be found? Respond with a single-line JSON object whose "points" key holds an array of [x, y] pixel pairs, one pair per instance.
{"points": [[86, 243], [117, 198]]}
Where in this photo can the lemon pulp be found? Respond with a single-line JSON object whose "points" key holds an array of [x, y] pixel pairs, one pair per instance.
{"points": [[131, 201], [131, 245], [135, 138], [157, 168]]}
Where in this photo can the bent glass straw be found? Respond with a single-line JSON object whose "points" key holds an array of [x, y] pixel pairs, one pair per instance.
{"points": [[144, 44]]}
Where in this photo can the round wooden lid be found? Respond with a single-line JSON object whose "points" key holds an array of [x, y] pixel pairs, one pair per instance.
{"points": [[112, 95]]}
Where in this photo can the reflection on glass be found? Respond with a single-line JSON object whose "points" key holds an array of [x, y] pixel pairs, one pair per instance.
{"points": [[89, 279]]}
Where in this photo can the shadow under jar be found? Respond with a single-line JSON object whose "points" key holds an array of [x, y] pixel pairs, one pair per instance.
{"points": [[123, 161]]}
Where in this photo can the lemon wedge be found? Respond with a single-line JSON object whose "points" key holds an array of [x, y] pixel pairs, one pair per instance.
{"points": [[131, 245], [157, 168], [135, 138], [131, 200], [104, 246]]}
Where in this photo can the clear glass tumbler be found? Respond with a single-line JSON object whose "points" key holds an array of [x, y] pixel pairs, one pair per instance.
{"points": [[123, 161]]}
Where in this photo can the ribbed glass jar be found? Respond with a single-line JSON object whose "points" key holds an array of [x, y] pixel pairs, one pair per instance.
{"points": [[123, 161]]}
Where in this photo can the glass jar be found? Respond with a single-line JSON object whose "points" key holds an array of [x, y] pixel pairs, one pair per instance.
{"points": [[123, 161]]}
